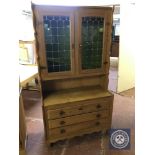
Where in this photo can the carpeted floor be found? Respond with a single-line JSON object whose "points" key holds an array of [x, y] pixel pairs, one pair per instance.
{"points": [[93, 144]]}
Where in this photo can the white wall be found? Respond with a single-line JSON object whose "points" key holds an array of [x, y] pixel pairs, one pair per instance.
{"points": [[126, 73], [26, 28]]}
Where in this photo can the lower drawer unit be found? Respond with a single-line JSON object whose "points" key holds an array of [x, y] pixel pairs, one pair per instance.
{"points": [[70, 119], [77, 129]]}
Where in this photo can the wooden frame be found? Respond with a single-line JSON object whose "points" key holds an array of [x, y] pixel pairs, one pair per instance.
{"points": [[42, 59], [75, 14], [92, 12]]}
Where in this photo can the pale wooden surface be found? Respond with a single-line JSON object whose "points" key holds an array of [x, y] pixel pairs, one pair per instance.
{"points": [[73, 95], [27, 73]]}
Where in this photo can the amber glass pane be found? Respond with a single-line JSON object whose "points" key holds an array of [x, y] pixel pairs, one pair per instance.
{"points": [[92, 42], [57, 43]]}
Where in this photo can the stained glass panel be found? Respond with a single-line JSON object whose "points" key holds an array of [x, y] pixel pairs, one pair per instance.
{"points": [[57, 43], [92, 42]]}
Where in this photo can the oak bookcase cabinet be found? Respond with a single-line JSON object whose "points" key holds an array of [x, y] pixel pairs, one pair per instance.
{"points": [[73, 45]]}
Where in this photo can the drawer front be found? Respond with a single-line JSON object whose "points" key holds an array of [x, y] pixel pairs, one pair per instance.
{"points": [[77, 129], [84, 107], [77, 119]]}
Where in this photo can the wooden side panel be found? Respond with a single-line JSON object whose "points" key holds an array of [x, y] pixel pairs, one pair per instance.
{"points": [[108, 37], [36, 42]]}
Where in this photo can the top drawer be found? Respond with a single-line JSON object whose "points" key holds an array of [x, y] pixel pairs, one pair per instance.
{"points": [[84, 107]]}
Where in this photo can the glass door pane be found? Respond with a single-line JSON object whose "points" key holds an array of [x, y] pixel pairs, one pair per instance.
{"points": [[92, 30], [57, 43]]}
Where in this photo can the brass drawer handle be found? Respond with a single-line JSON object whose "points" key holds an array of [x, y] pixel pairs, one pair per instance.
{"points": [[80, 108], [62, 122], [97, 123], [62, 112], [98, 115], [98, 106], [62, 131]]}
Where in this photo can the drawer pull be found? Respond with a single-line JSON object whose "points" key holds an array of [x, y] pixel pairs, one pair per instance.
{"points": [[80, 108], [62, 112], [98, 115], [62, 122], [97, 123], [98, 106], [62, 131]]}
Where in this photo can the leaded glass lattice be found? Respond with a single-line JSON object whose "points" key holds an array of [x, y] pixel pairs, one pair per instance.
{"points": [[92, 42], [57, 43]]}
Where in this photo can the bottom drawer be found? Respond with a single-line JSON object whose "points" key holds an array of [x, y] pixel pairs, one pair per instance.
{"points": [[77, 130]]}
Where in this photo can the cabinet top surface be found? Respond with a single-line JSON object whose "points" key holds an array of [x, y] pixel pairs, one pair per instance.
{"points": [[75, 95], [70, 6]]}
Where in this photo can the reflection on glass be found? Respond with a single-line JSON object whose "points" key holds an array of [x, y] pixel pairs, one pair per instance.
{"points": [[57, 42], [92, 41]]}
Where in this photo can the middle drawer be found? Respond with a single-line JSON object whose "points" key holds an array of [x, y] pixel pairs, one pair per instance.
{"points": [[77, 119]]}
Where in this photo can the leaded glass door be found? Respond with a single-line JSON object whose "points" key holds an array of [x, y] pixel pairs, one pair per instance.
{"points": [[92, 39], [57, 41]]}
